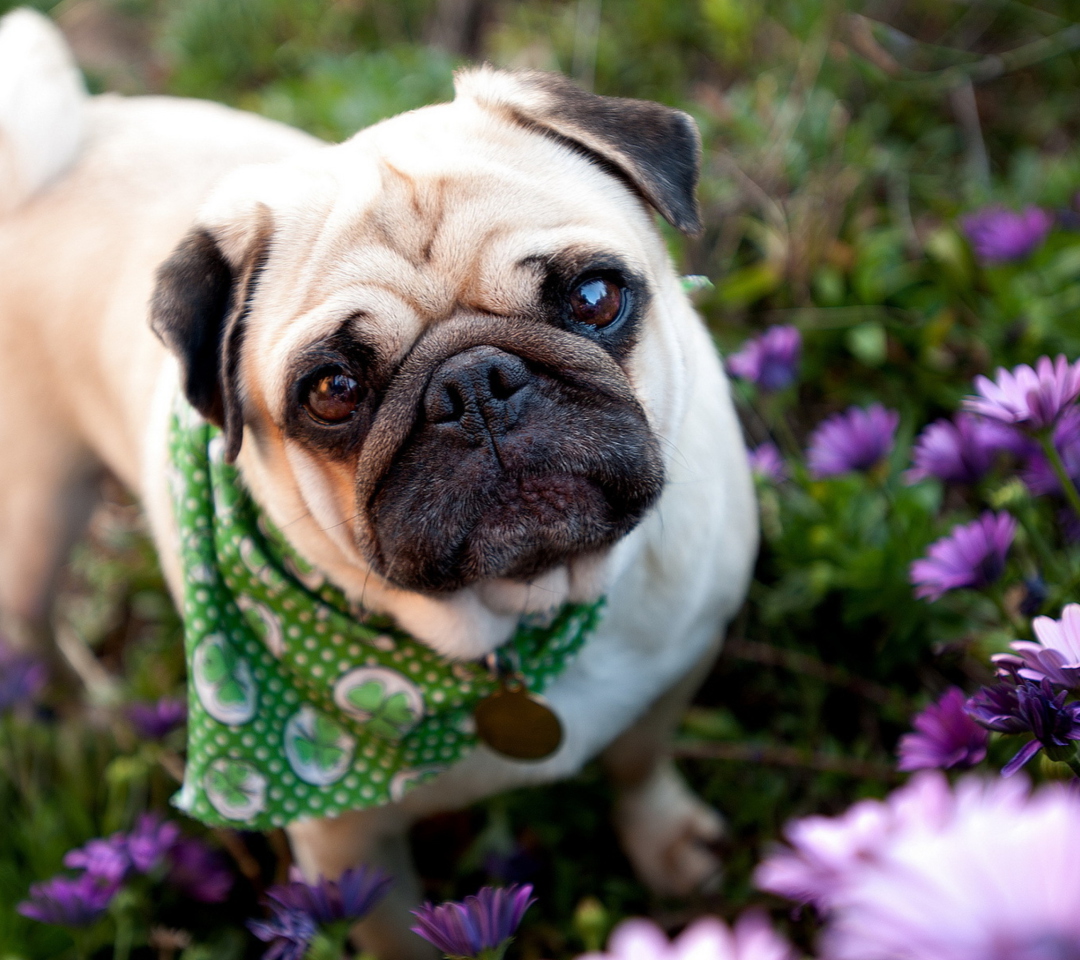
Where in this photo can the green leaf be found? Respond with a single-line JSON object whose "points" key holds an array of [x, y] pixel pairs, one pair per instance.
{"points": [[367, 696]]}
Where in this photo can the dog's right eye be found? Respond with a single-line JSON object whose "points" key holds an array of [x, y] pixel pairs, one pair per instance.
{"points": [[333, 397]]}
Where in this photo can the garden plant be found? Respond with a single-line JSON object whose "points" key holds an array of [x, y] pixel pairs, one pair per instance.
{"points": [[891, 267]]}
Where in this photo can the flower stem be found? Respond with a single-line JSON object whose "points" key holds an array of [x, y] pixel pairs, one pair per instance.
{"points": [[79, 938], [1061, 473]]}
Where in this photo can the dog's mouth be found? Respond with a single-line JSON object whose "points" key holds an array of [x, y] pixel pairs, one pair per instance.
{"points": [[509, 470]]}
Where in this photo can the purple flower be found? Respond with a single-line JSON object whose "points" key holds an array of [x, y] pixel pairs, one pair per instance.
{"points": [[767, 464], [350, 897], [752, 938], [1038, 475], [771, 360], [1056, 657], [68, 901], [289, 933], [999, 235], [151, 842], [946, 736], [198, 871], [961, 451], [1016, 705], [853, 440], [153, 721], [972, 555], [994, 879], [482, 925], [107, 860], [1035, 398], [828, 854], [21, 678]]}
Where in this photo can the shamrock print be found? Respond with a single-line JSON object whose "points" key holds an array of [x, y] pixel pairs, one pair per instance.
{"points": [[388, 704], [317, 749], [223, 681], [235, 789]]}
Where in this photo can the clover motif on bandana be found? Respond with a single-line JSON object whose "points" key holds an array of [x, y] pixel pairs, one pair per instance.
{"points": [[235, 789], [387, 703], [317, 749], [223, 681]]}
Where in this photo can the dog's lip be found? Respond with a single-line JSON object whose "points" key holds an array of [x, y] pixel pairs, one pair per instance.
{"points": [[459, 545]]}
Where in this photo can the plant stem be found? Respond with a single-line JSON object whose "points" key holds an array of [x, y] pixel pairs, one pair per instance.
{"points": [[1061, 473]]}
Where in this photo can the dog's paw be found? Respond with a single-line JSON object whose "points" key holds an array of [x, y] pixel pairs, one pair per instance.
{"points": [[670, 835]]}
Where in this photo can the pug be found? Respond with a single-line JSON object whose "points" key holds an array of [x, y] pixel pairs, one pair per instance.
{"points": [[452, 373]]}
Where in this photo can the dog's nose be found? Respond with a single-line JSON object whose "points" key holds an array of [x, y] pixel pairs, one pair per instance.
{"points": [[477, 387]]}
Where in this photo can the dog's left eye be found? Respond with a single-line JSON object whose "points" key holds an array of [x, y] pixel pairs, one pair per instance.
{"points": [[333, 397], [596, 301]]}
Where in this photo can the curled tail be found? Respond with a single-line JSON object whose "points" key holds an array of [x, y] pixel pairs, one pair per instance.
{"points": [[42, 101]]}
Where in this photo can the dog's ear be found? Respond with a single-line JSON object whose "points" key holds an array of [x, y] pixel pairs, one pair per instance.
{"points": [[199, 309], [653, 148]]}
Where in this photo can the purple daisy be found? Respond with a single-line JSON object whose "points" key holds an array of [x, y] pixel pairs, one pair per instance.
{"points": [[1056, 657], [998, 235], [1016, 705], [480, 926], [962, 450], [198, 871], [972, 555], [350, 897], [21, 678], [106, 860], [289, 933], [151, 842], [158, 718], [854, 440], [767, 464], [68, 901], [771, 360], [1035, 398], [945, 736]]}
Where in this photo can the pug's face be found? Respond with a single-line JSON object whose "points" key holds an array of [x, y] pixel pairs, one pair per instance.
{"points": [[444, 339]]}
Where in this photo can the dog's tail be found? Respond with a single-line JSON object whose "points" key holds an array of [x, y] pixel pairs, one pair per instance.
{"points": [[42, 106]]}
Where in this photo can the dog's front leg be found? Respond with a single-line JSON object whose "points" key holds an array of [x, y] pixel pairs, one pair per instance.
{"points": [[666, 830], [376, 837]]}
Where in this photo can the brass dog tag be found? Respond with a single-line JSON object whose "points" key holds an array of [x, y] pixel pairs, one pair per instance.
{"points": [[517, 724]]}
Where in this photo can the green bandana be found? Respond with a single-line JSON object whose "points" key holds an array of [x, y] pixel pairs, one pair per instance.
{"points": [[300, 704]]}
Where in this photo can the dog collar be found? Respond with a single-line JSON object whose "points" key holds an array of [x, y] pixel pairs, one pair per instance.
{"points": [[301, 704]]}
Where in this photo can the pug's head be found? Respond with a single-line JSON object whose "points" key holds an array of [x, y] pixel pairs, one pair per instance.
{"points": [[447, 351]]}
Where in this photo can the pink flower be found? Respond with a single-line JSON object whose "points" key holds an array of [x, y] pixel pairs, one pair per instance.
{"points": [[1035, 398], [706, 939], [1057, 654], [997, 878], [827, 854]]}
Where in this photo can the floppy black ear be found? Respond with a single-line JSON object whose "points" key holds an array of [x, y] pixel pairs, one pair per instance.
{"points": [[199, 309], [653, 148]]}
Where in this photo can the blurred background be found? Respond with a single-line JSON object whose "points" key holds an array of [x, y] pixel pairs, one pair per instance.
{"points": [[843, 142]]}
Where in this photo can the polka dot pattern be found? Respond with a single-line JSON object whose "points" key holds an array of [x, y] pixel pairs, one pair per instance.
{"points": [[299, 704]]}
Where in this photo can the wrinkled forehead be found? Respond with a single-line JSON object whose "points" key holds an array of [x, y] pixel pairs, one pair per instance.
{"points": [[433, 214]]}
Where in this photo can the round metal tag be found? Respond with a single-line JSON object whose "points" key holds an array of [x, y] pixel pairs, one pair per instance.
{"points": [[518, 725]]}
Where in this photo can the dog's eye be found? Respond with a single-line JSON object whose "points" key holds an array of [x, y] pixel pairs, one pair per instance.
{"points": [[596, 301], [333, 397]]}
